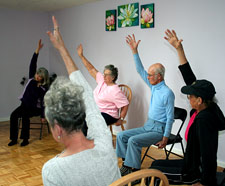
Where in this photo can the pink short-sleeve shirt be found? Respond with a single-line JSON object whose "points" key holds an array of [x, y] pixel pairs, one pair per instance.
{"points": [[109, 98]]}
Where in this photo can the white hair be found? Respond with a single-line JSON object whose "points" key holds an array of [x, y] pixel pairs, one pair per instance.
{"points": [[64, 105]]}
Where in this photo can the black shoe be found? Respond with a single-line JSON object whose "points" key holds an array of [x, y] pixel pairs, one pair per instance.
{"points": [[125, 170], [13, 142], [24, 143]]}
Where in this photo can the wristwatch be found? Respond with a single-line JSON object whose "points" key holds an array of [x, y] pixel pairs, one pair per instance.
{"points": [[121, 118]]}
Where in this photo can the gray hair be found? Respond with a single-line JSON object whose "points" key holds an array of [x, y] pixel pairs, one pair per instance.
{"points": [[160, 70], [114, 71], [64, 105], [43, 72]]}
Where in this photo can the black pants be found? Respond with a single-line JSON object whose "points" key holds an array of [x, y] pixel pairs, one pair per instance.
{"points": [[173, 170], [109, 119], [24, 113]]}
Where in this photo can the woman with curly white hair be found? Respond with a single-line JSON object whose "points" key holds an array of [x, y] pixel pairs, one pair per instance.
{"points": [[85, 161]]}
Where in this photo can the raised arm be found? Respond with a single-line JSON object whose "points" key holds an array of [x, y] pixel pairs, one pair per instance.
{"points": [[39, 47], [184, 67], [176, 43], [91, 69], [33, 63], [58, 43], [131, 41], [96, 124]]}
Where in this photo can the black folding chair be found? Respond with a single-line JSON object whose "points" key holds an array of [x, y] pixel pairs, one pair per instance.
{"points": [[179, 114]]}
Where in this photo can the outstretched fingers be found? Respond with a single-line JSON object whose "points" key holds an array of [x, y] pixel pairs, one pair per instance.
{"points": [[80, 50], [55, 23], [40, 44], [128, 39], [169, 34]]}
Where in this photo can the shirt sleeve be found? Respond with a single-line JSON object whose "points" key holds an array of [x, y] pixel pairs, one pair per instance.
{"points": [[169, 102], [119, 99], [33, 65], [140, 69], [49, 175], [97, 127], [187, 73], [99, 78]]}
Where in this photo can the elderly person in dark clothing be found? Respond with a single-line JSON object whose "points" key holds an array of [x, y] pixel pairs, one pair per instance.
{"points": [[200, 160], [31, 100]]}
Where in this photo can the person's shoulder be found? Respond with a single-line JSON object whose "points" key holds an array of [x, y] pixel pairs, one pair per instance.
{"points": [[167, 90], [32, 82], [51, 165], [114, 89]]}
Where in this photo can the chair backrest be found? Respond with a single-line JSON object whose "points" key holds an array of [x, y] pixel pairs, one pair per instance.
{"points": [[180, 113], [142, 174], [127, 91]]}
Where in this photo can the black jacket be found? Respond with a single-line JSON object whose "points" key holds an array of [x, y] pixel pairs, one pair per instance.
{"points": [[200, 159], [32, 93]]}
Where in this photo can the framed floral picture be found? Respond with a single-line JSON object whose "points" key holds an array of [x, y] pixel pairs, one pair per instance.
{"points": [[110, 20], [128, 15], [147, 16]]}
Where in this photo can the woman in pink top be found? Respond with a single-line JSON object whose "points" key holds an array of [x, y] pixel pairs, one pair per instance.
{"points": [[107, 94]]}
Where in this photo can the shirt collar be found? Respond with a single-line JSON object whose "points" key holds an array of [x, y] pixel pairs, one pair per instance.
{"points": [[160, 84]]}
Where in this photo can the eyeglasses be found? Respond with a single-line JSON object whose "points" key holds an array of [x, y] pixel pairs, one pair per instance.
{"points": [[106, 75], [150, 75]]}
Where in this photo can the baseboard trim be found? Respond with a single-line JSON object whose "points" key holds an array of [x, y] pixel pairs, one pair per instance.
{"points": [[4, 119]]}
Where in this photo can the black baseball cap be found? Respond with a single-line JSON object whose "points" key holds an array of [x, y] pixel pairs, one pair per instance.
{"points": [[200, 88]]}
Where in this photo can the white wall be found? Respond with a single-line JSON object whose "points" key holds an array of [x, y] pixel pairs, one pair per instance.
{"points": [[20, 32], [200, 24]]}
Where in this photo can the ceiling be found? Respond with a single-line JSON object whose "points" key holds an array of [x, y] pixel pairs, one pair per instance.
{"points": [[42, 5]]}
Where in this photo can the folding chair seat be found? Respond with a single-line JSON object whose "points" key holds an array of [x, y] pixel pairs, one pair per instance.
{"points": [[179, 114]]}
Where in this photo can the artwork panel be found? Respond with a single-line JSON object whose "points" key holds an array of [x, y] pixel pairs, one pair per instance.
{"points": [[110, 20], [147, 16], [128, 15]]}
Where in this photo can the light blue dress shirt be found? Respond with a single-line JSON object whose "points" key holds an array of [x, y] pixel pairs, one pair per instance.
{"points": [[161, 107]]}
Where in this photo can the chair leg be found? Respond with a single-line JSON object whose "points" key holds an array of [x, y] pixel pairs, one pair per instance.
{"points": [[41, 131], [182, 147], [48, 128], [145, 154], [166, 152], [169, 152]]}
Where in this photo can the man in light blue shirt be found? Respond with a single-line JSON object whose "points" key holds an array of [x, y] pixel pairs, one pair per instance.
{"points": [[157, 128]]}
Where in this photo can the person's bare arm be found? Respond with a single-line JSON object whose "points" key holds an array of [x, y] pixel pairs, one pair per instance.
{"points": [[176, 43], [123, 114], [91, 69]]}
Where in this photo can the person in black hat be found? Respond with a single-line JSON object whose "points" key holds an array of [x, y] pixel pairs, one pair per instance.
{"points": [[200, 160]]}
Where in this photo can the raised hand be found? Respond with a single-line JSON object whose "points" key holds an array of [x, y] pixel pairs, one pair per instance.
{"points": [[40, 45], [80, 50], [172, 39], [131, 41], [58, 43], [56, 37]]}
